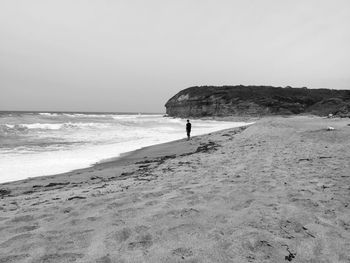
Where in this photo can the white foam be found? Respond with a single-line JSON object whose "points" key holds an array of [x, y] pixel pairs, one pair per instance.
{"points": [[56, 126], [48, 114]]}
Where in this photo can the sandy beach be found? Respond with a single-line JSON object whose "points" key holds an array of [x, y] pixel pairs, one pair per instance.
{"points": [[275, 191]]}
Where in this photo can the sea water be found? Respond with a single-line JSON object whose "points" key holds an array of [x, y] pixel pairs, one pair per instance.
{"points": [[35, 144]]}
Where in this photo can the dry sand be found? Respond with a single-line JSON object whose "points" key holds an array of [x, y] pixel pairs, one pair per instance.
{"points": [[277, 191]]}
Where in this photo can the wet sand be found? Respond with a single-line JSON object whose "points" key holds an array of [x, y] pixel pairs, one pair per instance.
{"points": [[277, 191]]}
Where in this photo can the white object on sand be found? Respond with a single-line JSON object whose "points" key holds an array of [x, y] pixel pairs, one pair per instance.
{"points": [[330, 128]]}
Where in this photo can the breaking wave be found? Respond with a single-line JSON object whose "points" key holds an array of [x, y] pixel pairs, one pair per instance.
{"points": [[20, 128]]}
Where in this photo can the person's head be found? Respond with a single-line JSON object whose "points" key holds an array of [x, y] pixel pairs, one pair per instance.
{"points": [[188, 120]]}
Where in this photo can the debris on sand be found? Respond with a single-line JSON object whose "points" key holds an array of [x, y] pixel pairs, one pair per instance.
{"points": [[76, 197], [56, 184], [4, 192]]}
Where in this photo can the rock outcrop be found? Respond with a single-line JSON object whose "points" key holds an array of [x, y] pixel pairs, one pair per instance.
{"points": [[257, 101]]}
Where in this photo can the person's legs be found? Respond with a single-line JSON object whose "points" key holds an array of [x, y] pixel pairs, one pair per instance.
{"points": [[188, 136]]}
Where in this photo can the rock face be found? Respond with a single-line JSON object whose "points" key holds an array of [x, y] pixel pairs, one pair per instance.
{"points": [[257, 101]]}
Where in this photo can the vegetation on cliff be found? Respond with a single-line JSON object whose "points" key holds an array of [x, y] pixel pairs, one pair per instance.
{"points": [[201, 101]]}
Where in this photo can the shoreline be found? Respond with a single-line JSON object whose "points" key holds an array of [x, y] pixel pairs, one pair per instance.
{"points": [[275, 191], [122, 162], [81, 166], [161, 149]]}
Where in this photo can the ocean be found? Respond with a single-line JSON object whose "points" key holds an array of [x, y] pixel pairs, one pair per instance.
{"points": [[35, 144]]}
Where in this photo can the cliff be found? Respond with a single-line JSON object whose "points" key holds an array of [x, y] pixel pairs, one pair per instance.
{"points": [[257, 101]]}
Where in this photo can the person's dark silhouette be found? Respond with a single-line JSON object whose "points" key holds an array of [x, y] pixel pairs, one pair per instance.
{"points": [[188, 129]]}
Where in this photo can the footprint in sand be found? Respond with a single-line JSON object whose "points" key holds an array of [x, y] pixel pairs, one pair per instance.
{"points": [[186, 212], [153, 194], [128, 212], [62, 241], [221, 218], [118, 222], [142, 242], [185, 229], [243, 204], [115, 205], [122, 235], [67, 210], [194, 200], [181, 213], [117, 238], [81, 239]]}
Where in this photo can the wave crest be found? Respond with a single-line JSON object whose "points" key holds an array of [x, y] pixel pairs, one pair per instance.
{"points": [[23, 128]]}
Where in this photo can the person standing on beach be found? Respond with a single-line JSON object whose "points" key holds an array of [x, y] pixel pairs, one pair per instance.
{"points": [[188, 129]]}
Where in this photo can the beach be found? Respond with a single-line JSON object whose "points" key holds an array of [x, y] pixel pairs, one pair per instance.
{"points": [[274, 191]]}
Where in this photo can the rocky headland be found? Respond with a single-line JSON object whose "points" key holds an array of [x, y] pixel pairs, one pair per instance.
{"points": [[204, 101]]}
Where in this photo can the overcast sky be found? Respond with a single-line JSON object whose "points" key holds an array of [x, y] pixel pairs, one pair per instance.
{"points": [[107, 55]]}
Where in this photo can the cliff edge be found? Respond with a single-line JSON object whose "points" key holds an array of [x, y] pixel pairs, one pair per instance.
{"points": [[203, 101]]}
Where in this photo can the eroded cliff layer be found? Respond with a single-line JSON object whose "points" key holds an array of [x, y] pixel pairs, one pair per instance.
{"points": [[257, 101]]}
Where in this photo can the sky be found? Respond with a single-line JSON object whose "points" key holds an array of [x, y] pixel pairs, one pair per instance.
{"points": [[133, 55]]}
